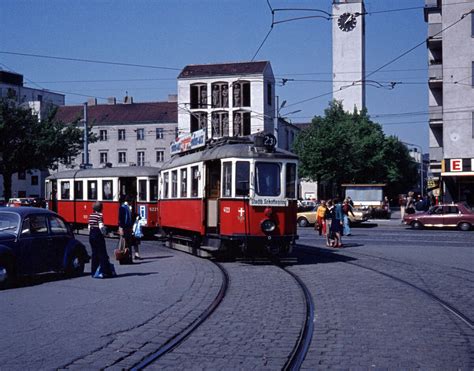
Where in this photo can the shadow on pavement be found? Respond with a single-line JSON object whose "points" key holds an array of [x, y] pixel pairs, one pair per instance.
{"points": [[122, 275]]}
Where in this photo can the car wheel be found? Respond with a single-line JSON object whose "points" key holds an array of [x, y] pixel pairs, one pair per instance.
{"points": [[464, 226], [6, 274], [416, 225], [76, 264], [303, 222]]}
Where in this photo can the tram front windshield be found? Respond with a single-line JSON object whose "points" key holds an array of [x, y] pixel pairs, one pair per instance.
{"points": [[267, 182]]}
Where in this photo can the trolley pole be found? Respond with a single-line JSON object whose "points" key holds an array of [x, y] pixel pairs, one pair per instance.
{"points": [[85, 162]]}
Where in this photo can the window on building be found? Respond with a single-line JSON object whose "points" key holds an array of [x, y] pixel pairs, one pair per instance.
{"points": [[198, 121], [241, 123], [194, 181], [107, 190], [184, 183], [269, 94], [121, 134], [65, 190], [290, 180], [166, 185], [160, 155], [142, 190], [141, 158], [78, 190], [34, 180], [103, 135], [122, 157], [199, 96], [21, 175], [174, 183], [241, 94], [242, 176], [159, 133], [141, 134], [220, 124], [92, 189], [220, 95], [227, 179], [103, 157], [21, 193]]}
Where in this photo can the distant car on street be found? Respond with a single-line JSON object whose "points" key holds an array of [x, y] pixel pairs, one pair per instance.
{"points": [[20, 201], [459, 215], [35, 240], [307, 218]]}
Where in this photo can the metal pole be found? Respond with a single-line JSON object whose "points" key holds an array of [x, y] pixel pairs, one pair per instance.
{"points": [[86, 139]]}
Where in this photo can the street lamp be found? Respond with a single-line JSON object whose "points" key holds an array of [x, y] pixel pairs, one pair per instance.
{"points": [[421, 163]]}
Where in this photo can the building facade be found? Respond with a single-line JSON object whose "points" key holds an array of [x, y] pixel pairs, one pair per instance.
{"points": [[40, 101], [129, 134], [227, 99], [451, 95], [348, 53]]}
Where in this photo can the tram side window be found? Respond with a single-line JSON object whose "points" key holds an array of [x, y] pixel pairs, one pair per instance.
{"points": [[267, 176], [92, 189], [174, 183], [107, 190], [291, 180], [166, 180], [142, 190], [242, 174], [184, 183], [153, 190], [78, 190], [227, 181], [65, 190], [194, 181]]}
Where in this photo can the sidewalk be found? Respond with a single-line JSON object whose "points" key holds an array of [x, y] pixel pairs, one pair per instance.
{"points": [[395, 219]]}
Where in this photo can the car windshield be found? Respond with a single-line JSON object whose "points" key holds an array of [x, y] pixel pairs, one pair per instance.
{"points": [[9, 223]]}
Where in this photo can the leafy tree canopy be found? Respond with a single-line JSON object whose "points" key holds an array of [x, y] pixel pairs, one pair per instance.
{"points": [[344, 147], [27, 143]]}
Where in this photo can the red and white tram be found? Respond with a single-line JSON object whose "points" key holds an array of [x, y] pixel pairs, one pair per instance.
{"points": [[233, 194], [72, 193]]}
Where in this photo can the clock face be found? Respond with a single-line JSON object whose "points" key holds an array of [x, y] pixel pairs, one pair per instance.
{"points": [[347, 22]]}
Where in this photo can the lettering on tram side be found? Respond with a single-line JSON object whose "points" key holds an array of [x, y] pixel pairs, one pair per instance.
{"points": [[268, 202]]}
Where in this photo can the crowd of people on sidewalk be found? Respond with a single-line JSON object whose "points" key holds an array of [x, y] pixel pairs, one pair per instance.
{"points": [[333, 220]]}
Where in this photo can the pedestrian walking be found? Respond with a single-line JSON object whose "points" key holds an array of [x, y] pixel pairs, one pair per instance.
{"points": [[125, 223], [137, 235], [328, 217], [336, 223], [320, 220], [100, 263], [410, 203], [346, 209]]}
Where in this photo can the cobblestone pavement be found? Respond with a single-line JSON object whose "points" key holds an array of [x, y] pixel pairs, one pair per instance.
{"points": [[92, 324], [256, 326], [367, 319]]}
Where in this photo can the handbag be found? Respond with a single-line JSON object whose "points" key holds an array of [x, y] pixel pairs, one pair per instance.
{"points": [[121, 252]]}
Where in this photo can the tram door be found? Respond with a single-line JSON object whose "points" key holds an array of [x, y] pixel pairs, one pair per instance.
{"points": [[213, 182], [128, 187], [52, 195]]}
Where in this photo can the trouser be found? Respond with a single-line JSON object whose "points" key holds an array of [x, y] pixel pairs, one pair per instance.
{"points": [[99, 252], [347, 229]]}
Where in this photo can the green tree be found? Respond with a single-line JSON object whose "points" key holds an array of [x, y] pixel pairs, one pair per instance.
{"points": [[27, 143], [344, 147]]}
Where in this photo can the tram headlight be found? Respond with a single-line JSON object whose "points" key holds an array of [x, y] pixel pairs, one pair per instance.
{"points": [[268, 225]]}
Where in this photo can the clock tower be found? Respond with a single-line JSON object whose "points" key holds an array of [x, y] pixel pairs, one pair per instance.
{"points": [[348, 53]]}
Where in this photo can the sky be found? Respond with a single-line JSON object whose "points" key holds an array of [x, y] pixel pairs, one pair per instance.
{"points": [[167, 35]]}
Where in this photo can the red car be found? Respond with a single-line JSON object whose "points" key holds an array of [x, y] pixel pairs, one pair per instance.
{"points": [[458, 215]]}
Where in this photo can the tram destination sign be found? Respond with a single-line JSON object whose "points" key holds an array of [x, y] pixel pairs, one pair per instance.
{"points": [[268, 202], [187, 142]]}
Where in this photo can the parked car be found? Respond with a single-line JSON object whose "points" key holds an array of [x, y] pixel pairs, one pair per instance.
{"points": [[20, 201], [34, 240], [307, 218], [458, 215]]}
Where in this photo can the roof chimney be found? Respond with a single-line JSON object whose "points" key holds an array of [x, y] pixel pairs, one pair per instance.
{"points": [[128, 100], [111, 100], [92, 102], [172, 98]]}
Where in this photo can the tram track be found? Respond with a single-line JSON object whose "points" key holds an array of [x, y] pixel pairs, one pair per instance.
{"points": [[435, 298]]}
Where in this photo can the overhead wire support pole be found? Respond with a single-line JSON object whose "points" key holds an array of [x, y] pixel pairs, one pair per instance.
{"points": [[86, 139]]}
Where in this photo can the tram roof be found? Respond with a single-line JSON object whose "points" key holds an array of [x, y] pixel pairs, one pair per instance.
{"points": [[107, 172], [244, 149]]}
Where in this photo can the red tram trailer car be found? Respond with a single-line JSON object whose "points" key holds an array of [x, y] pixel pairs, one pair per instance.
{"points": [[72, 193], [233, 194]]}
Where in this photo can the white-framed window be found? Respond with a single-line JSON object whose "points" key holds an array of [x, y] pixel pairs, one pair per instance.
{"points": [[198, 121], [102, 135], [174, 184], [141, 158], [103, 157], [241, 123], [241, 94], [220, 124], [159, 133], [184, 183], [122, 157], [227, 179], [121, 134], [220, 95], [160, 155], [141, 134], [198, 95]]}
